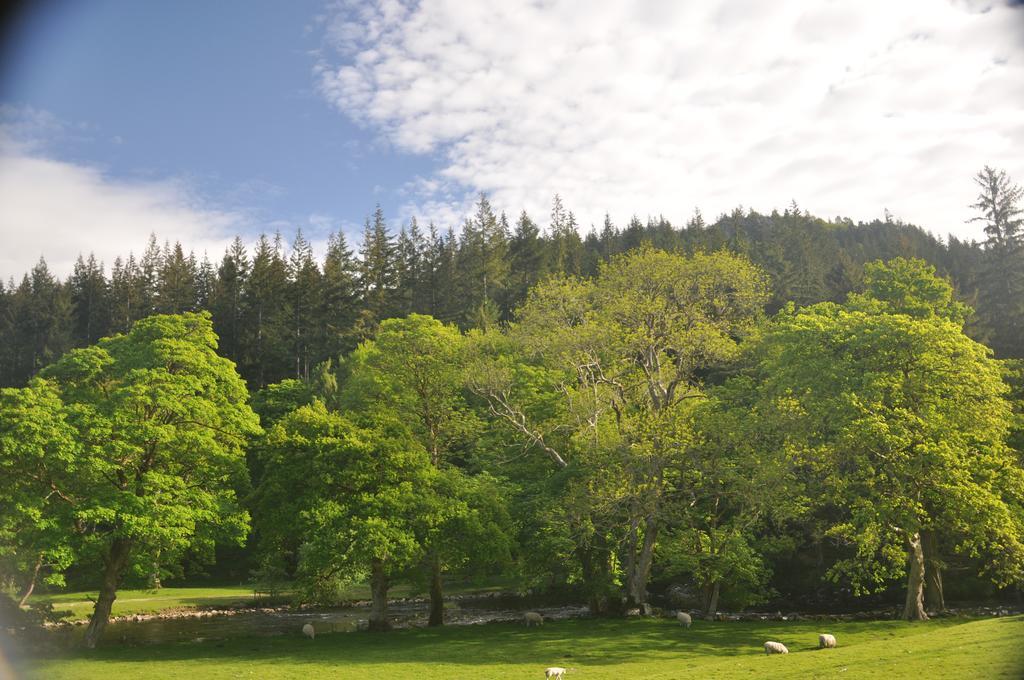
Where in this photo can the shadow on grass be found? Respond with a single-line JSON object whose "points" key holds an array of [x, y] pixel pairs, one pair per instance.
{"points": [[580, 642]]}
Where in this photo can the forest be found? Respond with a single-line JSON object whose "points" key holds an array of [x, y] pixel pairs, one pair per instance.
{"points": [[776, 410]]}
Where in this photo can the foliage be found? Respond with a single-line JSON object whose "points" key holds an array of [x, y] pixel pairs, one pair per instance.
{"points": [[900, 423], [278, 314], [350, 494], [142, 441]]}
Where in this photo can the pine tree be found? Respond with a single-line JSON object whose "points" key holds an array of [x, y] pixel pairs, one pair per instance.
{"points": [[90, 302], [608, 239], [633, 236], [446, 305], [424, 268], [303, 303], [149, 278], [264, 315], [41, 315], [206, 282], [527, 261], [127, 294], [227, 300], [565, 238], [377, 273], [6, 332], [407, 271], [176, 285], [339, 300], [482, 264], [1001, 278]]}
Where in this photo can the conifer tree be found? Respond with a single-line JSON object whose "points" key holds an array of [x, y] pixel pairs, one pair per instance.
{"points": [[527, 261], [303, 303], [1001, 279], [90, 303], [422, 267], [406, 271], [482, 263], [265, 354], [149, 278], [127, 290], [339, 300], [206, 281], [41, 316], [227, 300], [377, 272], [176, 283]]}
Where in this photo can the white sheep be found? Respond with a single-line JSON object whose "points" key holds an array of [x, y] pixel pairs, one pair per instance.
{"points": [[554, 673], [775, 648], [826, 641], [533, 619], [684, 619], [309, 631]]}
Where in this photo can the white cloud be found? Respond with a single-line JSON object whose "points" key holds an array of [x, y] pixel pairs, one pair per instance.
{"points": [[59, 210], [850, 107]]}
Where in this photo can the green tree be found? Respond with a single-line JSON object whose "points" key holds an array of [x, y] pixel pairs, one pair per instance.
{"points": [[378, 272], [304, 291], [526, 262], [566, 244], [126, 294], [482, 263], [161, 421], [176, 281], [356, 496], [632, 345], [41, 322], [266, 357], [412, 370], [733, 488], [1001, 279], [90, 303], [38, 460], [911, 287], [339, 300], [227, 302], [900, 422]]}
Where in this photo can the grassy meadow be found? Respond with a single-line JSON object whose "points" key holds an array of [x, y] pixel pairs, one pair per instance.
{"points": [[143, 601], [596, 649]]}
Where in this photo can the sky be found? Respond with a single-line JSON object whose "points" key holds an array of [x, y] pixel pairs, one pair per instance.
{"points": [[198, 121]]}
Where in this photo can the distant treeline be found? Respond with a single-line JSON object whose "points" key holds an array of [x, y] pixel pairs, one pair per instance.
{"points": [[279, 312]]}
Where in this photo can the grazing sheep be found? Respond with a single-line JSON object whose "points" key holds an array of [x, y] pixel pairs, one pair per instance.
{"points": [[554, 673], [684, 619], [826, 641], [309, 631], [533, 619], [775, 648]]}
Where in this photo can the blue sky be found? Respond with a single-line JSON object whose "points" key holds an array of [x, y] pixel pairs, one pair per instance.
{"points": [[218, 95], [200, 120]]}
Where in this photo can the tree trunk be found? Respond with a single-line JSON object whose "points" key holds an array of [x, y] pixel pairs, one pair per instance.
{"points": [[640, 565], [436, 592], [116, 561], [595, 559], [914, 608], [934, 599], [26, 592], [379, 597], [632, 540], [711, 602], [154, 576]]}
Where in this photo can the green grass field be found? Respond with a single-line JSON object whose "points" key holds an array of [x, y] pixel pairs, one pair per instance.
{"points": [[597, 649], [148, 601], [80, 603]]}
